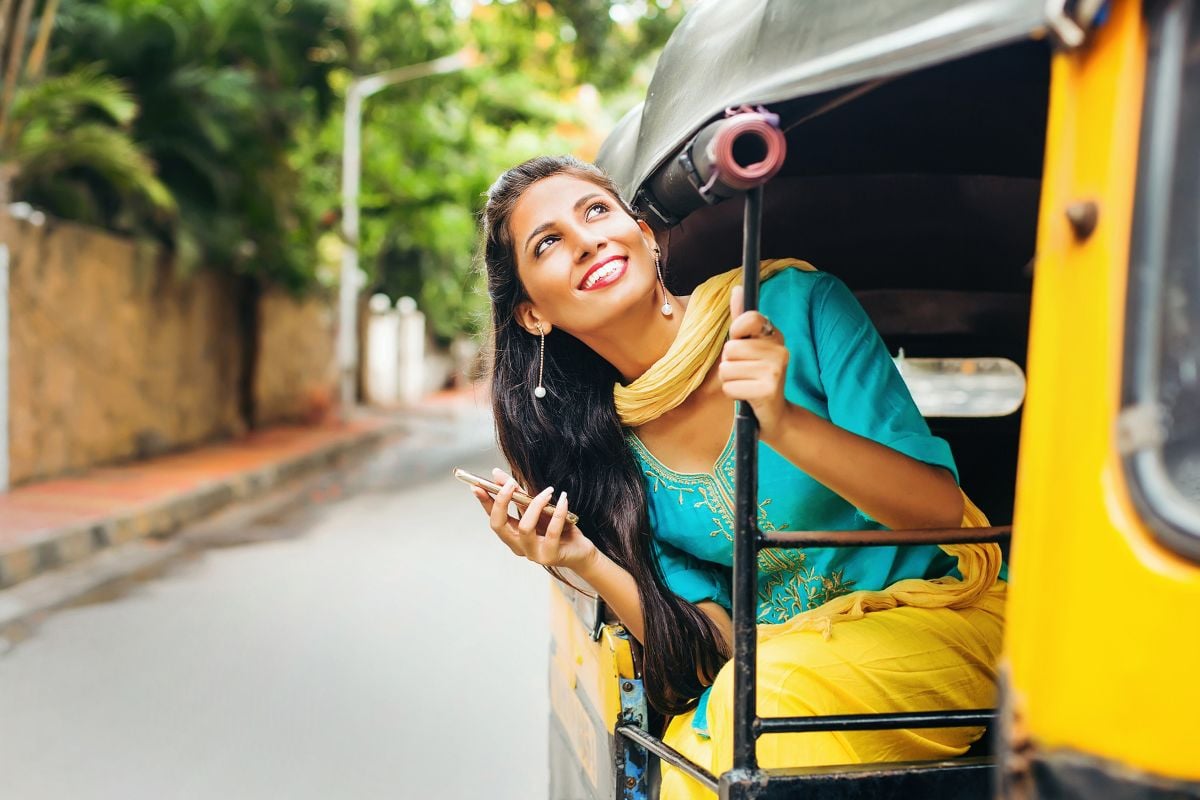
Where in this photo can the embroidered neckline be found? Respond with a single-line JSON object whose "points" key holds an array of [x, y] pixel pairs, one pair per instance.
{"points": [[786, 584], [726, 453]]}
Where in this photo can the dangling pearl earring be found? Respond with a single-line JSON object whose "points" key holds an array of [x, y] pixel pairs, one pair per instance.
{"points": [[666, 306], [540, 391]]}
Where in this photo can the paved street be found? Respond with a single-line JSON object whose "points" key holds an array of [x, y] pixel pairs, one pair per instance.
{"points": [[382, 645]]}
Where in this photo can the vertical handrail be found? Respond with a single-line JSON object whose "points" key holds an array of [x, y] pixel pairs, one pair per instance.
{"points": [[745, 537]]}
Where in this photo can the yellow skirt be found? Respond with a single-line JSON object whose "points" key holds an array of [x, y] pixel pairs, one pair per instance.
{"points": [[902, 659]]}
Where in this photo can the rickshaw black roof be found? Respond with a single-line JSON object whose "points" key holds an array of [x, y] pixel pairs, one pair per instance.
{"points": [[726, 53]]}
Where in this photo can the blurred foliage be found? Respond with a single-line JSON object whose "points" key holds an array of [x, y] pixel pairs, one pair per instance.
{"points": [[223, 87], [70, 149], [241, 114], [555, 77]]}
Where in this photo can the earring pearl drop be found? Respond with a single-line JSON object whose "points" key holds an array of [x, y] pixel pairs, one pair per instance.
{"points": [[540, 391], [666, 306]]}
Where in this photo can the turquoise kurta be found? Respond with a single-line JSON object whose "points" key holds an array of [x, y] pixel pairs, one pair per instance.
{"points": [[839, 369]]}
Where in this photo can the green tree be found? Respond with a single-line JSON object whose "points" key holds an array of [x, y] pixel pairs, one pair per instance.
{"points": [[432, 147], [224, 86], [240, 114], [68, 148], [64, 142]]}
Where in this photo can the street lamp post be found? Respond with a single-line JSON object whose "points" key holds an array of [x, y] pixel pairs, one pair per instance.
{"points": [[360, 89]]}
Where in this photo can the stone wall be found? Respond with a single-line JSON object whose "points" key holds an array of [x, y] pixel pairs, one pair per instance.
{"points": [[296, 378], [113, 356]]}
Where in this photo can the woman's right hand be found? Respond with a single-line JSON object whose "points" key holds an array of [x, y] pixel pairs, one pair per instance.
{"points": [[549, 541]]}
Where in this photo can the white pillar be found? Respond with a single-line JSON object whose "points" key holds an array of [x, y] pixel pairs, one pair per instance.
{"points": [[383, 357], [4, 468], [465, 352], [348, 282], [411, 351]]}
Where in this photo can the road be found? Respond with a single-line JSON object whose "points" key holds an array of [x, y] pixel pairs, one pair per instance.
{"points": [[380, 645]]}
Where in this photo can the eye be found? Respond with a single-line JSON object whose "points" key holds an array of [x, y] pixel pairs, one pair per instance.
{"points": [[592, 208], [541, 245]]}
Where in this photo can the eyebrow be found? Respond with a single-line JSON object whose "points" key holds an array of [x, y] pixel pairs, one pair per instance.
{"points": [[545, 225]]}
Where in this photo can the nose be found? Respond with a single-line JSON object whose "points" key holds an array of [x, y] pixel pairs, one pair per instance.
{"points": [[588, 242], [589, 246]]}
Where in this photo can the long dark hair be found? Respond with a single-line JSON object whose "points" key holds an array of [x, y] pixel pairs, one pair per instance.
{"points": [[573, 440]]}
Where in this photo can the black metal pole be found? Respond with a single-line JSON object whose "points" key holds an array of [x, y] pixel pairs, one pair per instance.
{"points": [[745, 543], [1000, 534], [877, 722]]}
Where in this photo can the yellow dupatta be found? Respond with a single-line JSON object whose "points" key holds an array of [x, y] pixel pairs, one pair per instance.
{"points": [[676, 375]]}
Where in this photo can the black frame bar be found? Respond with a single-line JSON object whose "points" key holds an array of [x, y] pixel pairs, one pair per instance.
{"points": [[745, 773], [745, 530], [999, 534], [873, 722], [668, 754], [749, 540]]}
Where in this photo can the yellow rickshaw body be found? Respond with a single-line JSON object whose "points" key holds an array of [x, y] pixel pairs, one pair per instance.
{"points": [[1102, 645], [588, 665]]}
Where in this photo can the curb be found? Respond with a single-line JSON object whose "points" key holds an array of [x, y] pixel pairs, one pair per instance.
{"points": [[220, 513], [61, 547], [22, 607]]}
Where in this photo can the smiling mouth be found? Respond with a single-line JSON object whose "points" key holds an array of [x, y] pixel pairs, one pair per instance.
{"points": [[604, 274]]}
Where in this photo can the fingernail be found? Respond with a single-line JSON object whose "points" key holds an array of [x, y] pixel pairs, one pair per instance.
{"points": [[548, 491], [562, 497]]}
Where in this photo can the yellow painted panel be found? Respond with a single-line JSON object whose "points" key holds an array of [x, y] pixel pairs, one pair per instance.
{"points": [[592, 669], [1102, 639]]}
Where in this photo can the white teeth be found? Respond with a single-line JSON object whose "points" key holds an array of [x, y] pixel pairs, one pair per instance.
{"points": [[602, 273]]}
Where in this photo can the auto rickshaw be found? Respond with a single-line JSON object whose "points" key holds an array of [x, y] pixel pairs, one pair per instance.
{"points": [[1010, 188]]}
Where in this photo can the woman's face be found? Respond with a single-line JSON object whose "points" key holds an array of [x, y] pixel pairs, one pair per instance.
{"points": [[582, 259]]}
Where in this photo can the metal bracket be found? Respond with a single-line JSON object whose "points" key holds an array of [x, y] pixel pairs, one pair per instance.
{"points": [[1083, 216], [693, 175], [644, 200], [1141, 427], [742, 784], [1070, 21], [632, 761], [598, 622]]}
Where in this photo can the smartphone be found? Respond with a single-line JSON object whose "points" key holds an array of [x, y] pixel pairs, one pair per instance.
{"points": [[520, 498]]}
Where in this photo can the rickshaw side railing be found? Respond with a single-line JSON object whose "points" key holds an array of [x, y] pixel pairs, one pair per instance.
{"points": [[760, 726], [749, 540], [745, 779], [866, 722]]}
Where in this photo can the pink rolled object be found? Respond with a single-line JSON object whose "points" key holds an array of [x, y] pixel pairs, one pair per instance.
{"points": [[764, 153]]}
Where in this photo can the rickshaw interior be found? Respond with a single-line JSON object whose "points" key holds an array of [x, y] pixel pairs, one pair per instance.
{"points": [[921, 193]]}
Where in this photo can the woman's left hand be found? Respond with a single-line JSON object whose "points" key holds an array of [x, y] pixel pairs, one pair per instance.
{"points": [[754, 365]]}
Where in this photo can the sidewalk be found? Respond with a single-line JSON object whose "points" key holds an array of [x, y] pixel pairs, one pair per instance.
{"points": [[48, 525]]}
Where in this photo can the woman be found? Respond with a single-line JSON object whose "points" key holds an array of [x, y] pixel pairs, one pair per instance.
{"points": [[601, 379]]}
